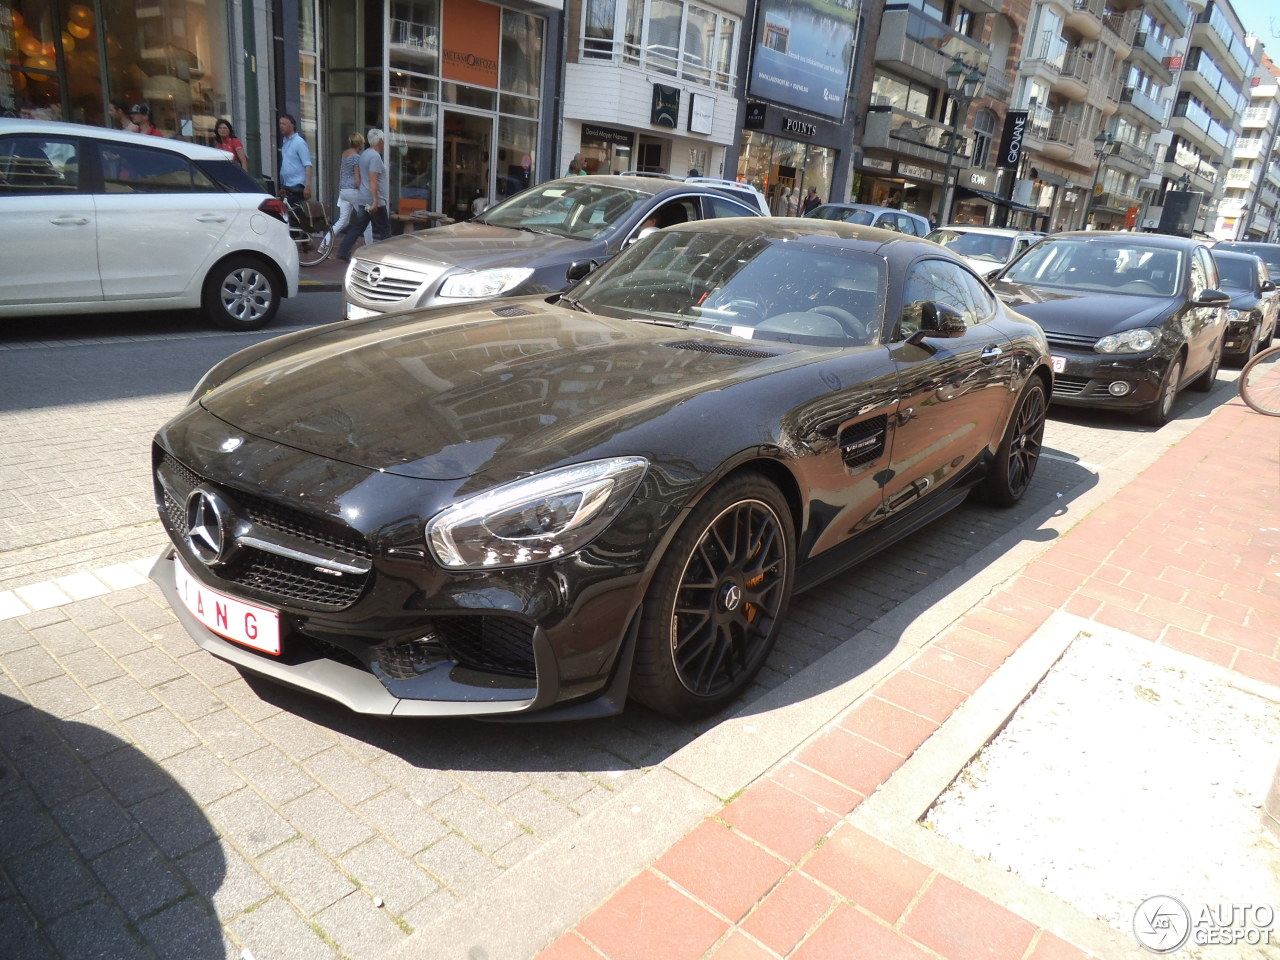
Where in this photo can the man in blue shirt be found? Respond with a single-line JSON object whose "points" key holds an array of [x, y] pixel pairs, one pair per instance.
{"points": [[295, 161]]}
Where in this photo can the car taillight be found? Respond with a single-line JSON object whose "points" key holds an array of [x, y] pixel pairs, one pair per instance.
{"points": [[273, 206]]}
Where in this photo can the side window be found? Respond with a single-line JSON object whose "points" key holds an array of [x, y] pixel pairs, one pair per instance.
{"points": [[908, 226], [1201, 273], [38, 165], [888, 221], [130, 169], [1210, 268], [942, 282], [725, 207]]}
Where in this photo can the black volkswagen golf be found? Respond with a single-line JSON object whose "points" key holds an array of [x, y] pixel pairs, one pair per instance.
{"points": [[544, 505]]}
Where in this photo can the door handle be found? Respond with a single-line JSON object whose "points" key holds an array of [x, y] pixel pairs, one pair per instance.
{"points": [[990, 352], [73, 221], [211, 218]]}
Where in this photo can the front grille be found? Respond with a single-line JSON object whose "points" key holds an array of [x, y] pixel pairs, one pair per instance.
{"points": [[274, 577], [491, 643], [393, 284], [728, 350], [1070, 340], [1064, 386]]}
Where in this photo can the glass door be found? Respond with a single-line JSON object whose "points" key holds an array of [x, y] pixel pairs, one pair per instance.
{"points": [[465, 172]]}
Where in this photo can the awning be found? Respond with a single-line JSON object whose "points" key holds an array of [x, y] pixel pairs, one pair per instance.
{"points": [[996, 199]]}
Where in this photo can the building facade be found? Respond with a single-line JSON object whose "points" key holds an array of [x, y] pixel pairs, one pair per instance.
{"points": [[1251, 196]]}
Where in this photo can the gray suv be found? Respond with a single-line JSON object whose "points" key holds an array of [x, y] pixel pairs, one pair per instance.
{"points": [[527, 243]]}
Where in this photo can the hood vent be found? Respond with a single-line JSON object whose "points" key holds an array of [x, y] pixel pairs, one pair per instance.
{"points": [[728, 350], [512, 311]]}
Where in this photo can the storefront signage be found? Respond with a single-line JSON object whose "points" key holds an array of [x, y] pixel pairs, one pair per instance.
{"points": [[803, 52], [978, 179], [755, 116], [914, 172], [606, 134], [665, 111], [1015, 125], [874, 163], [702, 113], [470, 33], [799, 127]]}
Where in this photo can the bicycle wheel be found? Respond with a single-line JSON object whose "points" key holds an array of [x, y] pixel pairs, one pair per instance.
{"points": [[314, 245], [1260, 382]]}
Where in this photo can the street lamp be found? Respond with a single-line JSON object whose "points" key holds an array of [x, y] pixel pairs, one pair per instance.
{"points": [[1184, 182], [963, 88], [1104, 147]]}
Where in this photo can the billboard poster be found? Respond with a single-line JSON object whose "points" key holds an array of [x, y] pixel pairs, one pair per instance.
{"points": [[803, 53]]}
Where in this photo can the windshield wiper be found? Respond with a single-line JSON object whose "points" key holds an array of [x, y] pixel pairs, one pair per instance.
{"points": [[572, 303]]}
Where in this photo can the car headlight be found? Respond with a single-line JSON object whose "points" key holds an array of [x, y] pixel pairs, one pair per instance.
{"points": [[1130, 341], [534, 519], [485, 283], [1233, 315]]}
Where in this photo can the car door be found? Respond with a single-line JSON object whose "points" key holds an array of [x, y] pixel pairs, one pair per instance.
{"points": [[160, 220], [955, 392], [713, 206], [49, 241], [1202, 326]]}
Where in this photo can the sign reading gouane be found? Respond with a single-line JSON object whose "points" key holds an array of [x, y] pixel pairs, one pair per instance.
{"points": [[1015, 124], [469, 41], [803, 53]]}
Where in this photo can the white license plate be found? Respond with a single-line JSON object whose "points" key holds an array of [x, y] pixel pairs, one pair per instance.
{"points": [[1058, 363], [359, 313], [236, 620]]}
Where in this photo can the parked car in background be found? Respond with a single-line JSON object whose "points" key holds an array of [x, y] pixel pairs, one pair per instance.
{"points": [[886, 218], [527, 243], [744, 191], [1268, 253], [99, 221], [1131, 318], [544, 505], [1251, 318], [984, 248]]}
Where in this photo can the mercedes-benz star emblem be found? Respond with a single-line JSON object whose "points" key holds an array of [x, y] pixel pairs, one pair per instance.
{"points": [[206, 526], [732, 596], [374, 276]]}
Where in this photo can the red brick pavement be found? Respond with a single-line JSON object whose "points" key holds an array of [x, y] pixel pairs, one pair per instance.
{"points": [[1186, 555]]}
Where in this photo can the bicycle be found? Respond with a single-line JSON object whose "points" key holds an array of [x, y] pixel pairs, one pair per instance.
{"points": [[309, 226], [1260, 382]]}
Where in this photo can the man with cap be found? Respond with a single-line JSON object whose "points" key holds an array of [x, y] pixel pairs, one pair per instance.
{"points": [[140, 114]]}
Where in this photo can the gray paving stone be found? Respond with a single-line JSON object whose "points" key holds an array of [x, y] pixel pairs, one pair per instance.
{"points": [[401, 821], [13, 637], [361, 930], [306, 876], [119, 639], [11, 698], [173, 822], [92, 733], [275, 931], [544, 815], [508, 855], [494, 785], [334, 828], [159, 733], [457, 864], [138, 879], [25, 823], [18, 932], [62, 638], [591, 799], [225, 879], [94, 823], [227, 733], [202, 775], [95, 932], [299, 738], [185, 930], [59, 775], [215, 673], [383, 871], [51, 880], [188, 698], [60, 697], [124, 698], [424, 785], [130, 775], [482, 824], [152, 667], [430, 909], [92, 666], [249, 821], [42, 618], [173, 639], [274, 775], [91, 614], [30, 665], [350, 779]]}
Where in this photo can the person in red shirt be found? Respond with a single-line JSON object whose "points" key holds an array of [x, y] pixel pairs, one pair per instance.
{"points": [[140, 113], [224, 138]]}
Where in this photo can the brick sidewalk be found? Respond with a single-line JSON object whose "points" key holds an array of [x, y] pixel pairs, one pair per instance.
{"points": [[1185, 556]]}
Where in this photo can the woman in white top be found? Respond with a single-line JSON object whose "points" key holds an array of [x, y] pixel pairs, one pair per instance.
{"points": [[349, 186]]}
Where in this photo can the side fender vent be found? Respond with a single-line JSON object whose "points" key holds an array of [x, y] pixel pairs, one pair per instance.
{"points": [[863, 442], [512, 312], [726, 349]]}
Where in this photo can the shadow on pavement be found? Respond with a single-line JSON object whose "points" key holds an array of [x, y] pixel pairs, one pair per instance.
{"points": [[102, 854]]}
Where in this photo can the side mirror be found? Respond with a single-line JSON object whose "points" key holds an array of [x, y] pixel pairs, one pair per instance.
{"points": [[479, 206], [1268, 286], [1211, 298], [938, 320], [579, 270], [991, 275]]}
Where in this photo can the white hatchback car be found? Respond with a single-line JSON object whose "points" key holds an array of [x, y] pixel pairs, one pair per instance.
{"points": [[984, 248], [101, 221]]}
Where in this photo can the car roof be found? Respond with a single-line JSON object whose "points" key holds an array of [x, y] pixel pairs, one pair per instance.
{"points": [[991, 231], [193, 151], [1160, 241], [797, 228], [639, 182]]}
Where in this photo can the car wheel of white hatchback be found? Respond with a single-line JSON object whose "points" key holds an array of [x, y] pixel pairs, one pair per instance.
{"points": [[241, 295]]}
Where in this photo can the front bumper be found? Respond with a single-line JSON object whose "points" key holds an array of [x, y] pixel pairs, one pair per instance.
{"points": [[1086, 378]]}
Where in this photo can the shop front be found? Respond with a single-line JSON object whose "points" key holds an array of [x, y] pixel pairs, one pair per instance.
{"points": [[678, 139], [783, 154], [900, 184]]}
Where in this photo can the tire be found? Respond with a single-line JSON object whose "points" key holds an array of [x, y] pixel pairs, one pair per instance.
{"points": [[1204, 383], [241, 294], [1158, 413], [1260, 382], [1019, 452], [316, 248], [716, 603]]}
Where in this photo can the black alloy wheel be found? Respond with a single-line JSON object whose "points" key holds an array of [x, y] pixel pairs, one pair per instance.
{"points": [[1019, 452], [1158, 413], [717, 601], [1204, 383]]}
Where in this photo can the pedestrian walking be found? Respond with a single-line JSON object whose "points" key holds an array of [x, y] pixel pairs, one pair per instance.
{"points": [[811, 200], [349, 181], [118, 111], [372, 202], [577, 166], [295, 161], [224, 138], [140, 114], [793, 201]]}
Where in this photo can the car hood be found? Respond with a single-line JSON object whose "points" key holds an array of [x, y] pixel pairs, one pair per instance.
{"points": [[1083, 314], [474, 246], [443, 394]]}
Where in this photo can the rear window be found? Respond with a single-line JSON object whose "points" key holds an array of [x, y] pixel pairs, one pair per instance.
{"points": [[230, 176], [1268, 253]]}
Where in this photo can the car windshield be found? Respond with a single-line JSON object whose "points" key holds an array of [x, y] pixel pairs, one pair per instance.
{"points": [[1268, 253], [581, 211], [829, 213], [1121, 266], [978, 246], [1234, 273], [754, 287]]}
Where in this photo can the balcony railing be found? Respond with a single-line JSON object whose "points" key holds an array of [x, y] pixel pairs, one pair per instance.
{"points": [[1258, 116], [889, 128], [922, 46], [1249, 148], [1123, 24], [1237, 177], [1176, 12], [1064, 130], [998, 86], [1152, 107], [1078, 65]]}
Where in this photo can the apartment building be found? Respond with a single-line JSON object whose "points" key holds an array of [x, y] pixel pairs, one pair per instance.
{"points": [[1251, 193]]}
